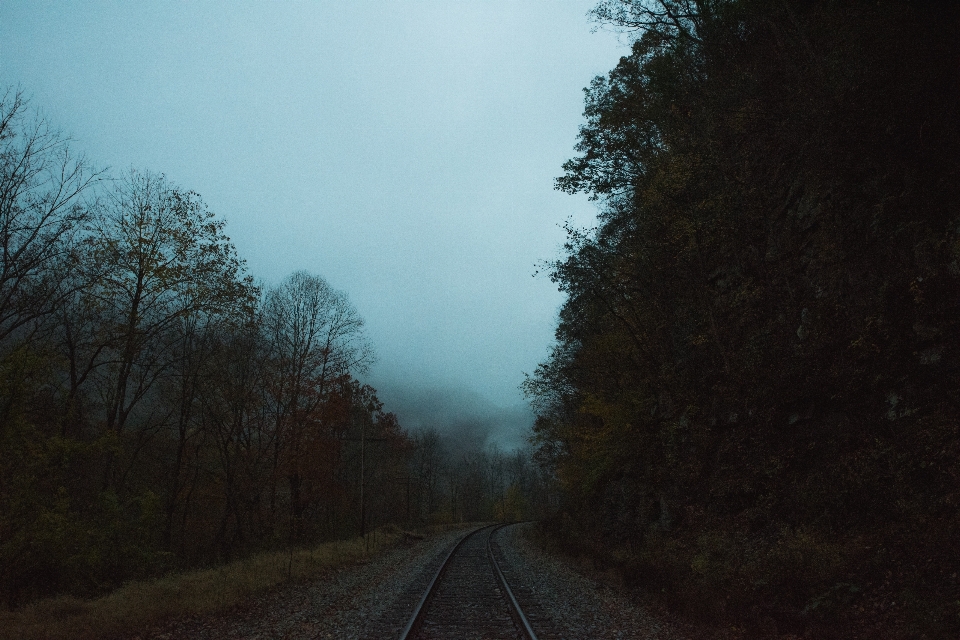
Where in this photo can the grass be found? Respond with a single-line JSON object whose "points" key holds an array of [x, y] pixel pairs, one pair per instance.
{"points": [[137, 606]]}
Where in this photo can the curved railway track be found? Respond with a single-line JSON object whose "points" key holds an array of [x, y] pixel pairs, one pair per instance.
{"points": [[469, 597]]}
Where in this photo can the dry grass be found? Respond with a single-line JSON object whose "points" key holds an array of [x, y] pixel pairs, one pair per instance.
{"points": [[140, 605]]}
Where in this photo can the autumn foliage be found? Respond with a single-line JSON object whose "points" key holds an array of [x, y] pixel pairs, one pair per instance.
{"points": [[158, 409], [161, 412]]}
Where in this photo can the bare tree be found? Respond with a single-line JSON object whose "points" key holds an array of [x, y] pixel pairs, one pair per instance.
{"points": [[315, 337], [41, 184], [670, 19], [427, 463]]}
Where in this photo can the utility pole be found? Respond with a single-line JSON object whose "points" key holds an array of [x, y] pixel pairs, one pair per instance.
{"points": [[363, 439], [363, 511], [406, 481]]}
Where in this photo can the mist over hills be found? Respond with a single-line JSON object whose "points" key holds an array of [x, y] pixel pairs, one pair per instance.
{"points": [[466, 419]]}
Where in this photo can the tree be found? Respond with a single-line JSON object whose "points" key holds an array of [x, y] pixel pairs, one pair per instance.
{"points": [[315, 338], [426, 467], [158, 410], [156, 261], [767, 309], [42, 183]]}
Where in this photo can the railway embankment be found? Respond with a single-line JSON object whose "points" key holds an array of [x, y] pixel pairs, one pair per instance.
{"points": [[373, 595]]}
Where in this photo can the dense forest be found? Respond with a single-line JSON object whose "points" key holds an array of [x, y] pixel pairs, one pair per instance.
{"points": [[752, 404], [160, 410]]}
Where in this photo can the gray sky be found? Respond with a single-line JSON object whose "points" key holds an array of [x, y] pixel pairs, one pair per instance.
{"points": [[403, 150]]}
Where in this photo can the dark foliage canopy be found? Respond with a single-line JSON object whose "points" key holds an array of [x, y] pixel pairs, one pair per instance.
{"points": [[754, 388]]}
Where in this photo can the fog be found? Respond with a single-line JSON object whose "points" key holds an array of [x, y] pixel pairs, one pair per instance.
{"points": [[468, 420], [405, 151]]}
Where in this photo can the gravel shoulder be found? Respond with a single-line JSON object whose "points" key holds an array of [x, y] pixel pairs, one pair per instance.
{"points": [[361, 600], [373, 599], [563, 603]]}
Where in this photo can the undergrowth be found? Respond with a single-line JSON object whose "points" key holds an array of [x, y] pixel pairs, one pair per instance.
{"points": [[140, 605]]}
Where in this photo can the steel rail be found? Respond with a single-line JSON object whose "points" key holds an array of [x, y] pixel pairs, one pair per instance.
{"points": [[516, 612], [419, 612], [413, 624]]}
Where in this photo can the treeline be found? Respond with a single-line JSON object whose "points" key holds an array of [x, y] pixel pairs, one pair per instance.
{"points": [[450, 484], [160, 410], [752, 405]]}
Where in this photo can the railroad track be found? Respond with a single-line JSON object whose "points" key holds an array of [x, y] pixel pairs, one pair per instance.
{"points": [[469, 597]]}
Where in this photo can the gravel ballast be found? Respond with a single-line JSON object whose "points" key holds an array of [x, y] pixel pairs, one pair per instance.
{"points": [[373, 599], [562, 603], [360, 600]]}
